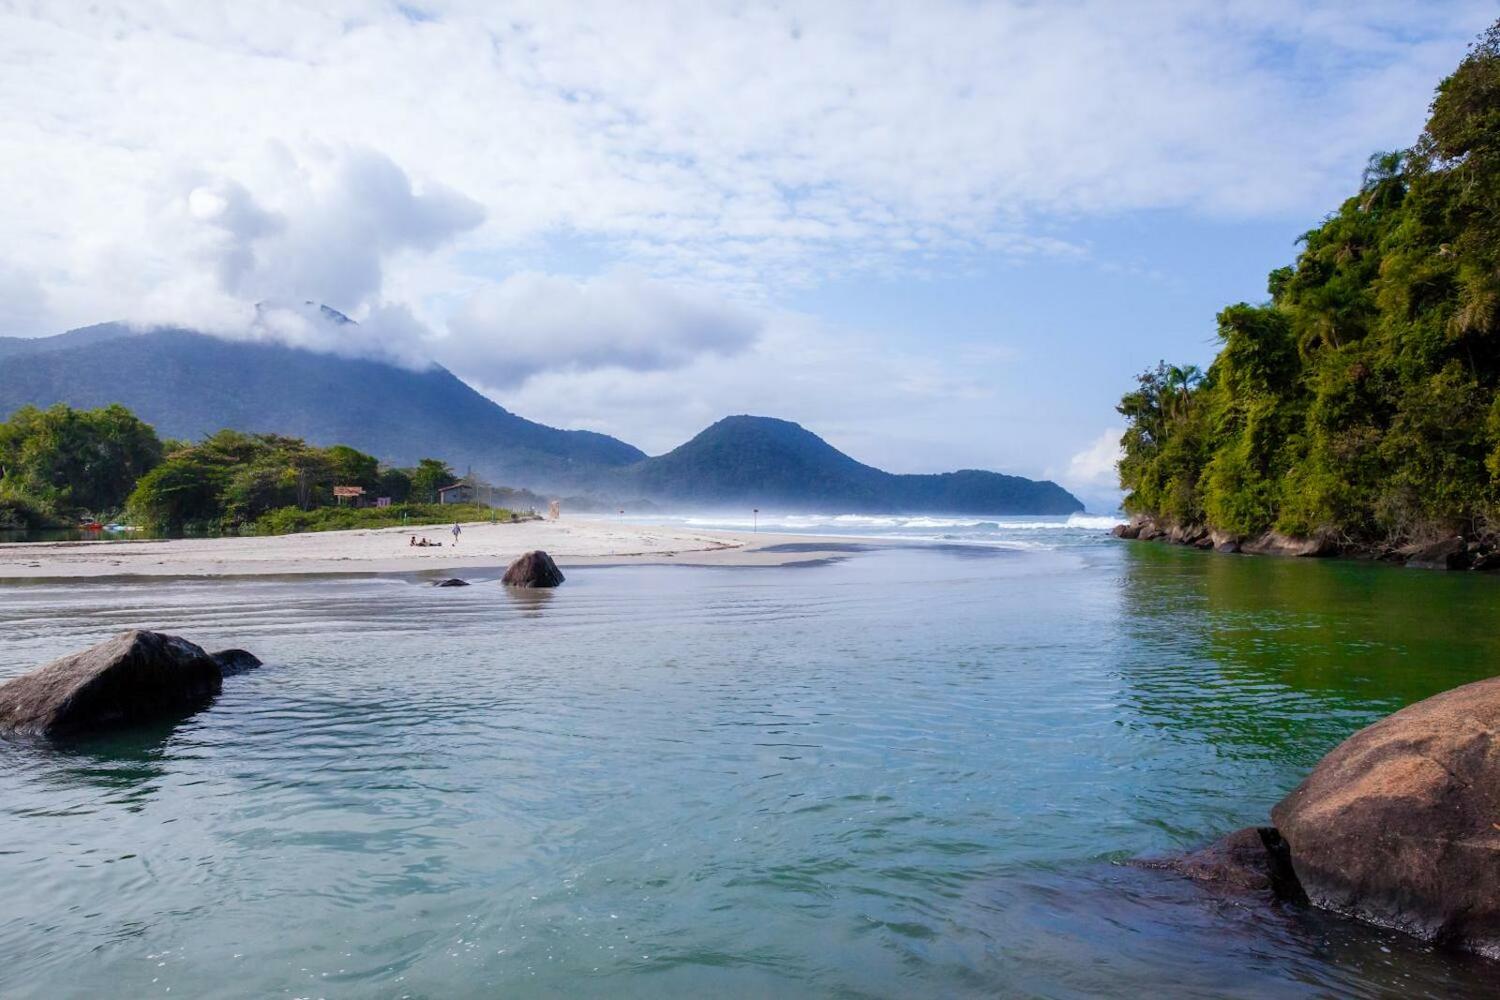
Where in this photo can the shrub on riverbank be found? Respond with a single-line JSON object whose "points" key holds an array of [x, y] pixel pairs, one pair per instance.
{"points": [[19, 512], [290, 520], [1363, 400]]}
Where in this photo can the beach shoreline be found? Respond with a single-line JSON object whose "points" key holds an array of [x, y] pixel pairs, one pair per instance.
{"points": [[482, 547]]}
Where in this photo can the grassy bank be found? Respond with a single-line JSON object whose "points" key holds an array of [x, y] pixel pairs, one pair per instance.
{"points": [[290, 520]]}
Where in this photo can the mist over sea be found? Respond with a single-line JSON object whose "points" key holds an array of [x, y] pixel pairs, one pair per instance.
{"points": [[911, 771]]}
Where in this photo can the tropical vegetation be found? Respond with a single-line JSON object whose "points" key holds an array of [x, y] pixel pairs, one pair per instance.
{"points": [[1360, 401], [61, 466]]}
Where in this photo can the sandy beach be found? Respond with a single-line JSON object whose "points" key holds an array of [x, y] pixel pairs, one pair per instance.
{"points": [[483, 546]]}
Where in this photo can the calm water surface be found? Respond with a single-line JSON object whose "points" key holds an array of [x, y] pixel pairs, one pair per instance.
{"points": [[911, 773]]}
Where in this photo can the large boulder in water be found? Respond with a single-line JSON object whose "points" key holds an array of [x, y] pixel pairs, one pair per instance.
{"points": [[1400, 824], [534, 569], [134, 677]]}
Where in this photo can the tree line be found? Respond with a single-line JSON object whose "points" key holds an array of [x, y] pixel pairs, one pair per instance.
{"points": [[59, 466], [1360, 400]]}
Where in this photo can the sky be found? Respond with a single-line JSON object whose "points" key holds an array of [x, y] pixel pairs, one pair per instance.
{"points": [[941, 235]]}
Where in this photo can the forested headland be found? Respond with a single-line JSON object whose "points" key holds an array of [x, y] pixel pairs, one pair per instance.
{"points": [[61, 466], [1359, 403]]}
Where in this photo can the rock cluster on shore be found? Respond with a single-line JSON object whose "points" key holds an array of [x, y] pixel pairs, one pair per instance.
{"points": [[135, 677], [1398, 826], [1454, 553]]}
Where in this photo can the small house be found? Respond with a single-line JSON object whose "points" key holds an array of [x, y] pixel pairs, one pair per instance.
{"points": [[457, 493]]}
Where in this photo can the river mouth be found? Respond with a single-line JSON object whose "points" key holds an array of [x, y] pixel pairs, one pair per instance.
{"points": [[906, 772]]}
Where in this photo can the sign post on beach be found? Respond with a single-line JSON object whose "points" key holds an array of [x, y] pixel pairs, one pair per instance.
{"points": [[755, 519]]}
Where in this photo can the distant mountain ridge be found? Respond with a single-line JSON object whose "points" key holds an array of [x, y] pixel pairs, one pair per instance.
{"points": [[189, 384], [745, 460]]}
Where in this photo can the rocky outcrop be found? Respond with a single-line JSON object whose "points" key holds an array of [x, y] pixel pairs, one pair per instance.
{"points": [[534, 569], [1452, 553], [1274, 543], [135, 677], [1223, 541], [1400, 824], [451, 582]]}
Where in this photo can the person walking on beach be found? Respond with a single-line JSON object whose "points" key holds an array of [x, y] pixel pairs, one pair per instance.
{"points": [[456, 532]]}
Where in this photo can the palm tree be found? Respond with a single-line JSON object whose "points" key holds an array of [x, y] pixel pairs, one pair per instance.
{"points": [[1177, 389], [1383, 182]]}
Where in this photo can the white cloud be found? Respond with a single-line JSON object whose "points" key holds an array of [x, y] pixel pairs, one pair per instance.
{"points": [[23, 303], [905, 411], [754, 146], [181, 160], [1093, 473], [532, 323], [387, 332]]}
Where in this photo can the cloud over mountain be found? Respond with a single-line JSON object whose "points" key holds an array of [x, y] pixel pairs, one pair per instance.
{"points": [[532, 323]]}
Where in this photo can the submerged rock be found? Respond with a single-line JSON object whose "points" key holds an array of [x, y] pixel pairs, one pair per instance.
{"points": [[1252, 860], [1400, 824], [1486, 562], [534, 569], [134, 677], [235, 661], [451, 582], [1450, 553]]}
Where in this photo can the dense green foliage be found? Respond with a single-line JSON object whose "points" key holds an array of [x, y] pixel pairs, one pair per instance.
{"points": [[289, 520], [429, 476], [232, 480], [1360, 401], [59, 464]]}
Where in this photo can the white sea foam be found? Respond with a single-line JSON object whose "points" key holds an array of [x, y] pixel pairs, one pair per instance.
{"points": [[1033, 532], [1097, 522]]}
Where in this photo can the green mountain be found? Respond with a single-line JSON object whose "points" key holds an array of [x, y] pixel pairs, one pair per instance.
{"points": [[188, 385], [1361, 403], [746, 460]]}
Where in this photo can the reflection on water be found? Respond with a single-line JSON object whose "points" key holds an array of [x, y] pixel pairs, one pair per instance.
{"points": [[905, 773]]}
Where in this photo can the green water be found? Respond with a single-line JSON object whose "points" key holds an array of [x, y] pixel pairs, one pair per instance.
{"points": [[911, 773]]}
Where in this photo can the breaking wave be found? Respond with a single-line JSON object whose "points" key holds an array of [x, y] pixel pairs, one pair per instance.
{"points": [[1025, 532]]}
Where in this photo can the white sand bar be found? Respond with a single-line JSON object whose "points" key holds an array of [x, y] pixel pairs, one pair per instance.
{"points": [[482, 546]]}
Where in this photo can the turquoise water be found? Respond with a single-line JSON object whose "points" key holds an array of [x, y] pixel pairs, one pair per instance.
{"points": [[913, 772]]}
